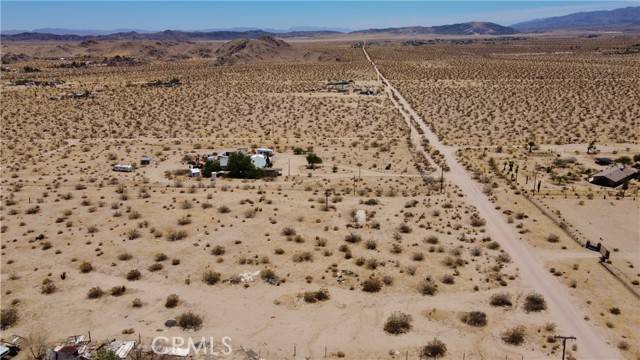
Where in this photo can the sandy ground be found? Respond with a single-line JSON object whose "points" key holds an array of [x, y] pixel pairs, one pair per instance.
{"points": [[57, 157], [532, 271], [619, 233]]}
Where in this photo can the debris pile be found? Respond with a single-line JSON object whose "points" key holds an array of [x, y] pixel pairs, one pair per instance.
{"points": [[85, 94], [32, 82]]}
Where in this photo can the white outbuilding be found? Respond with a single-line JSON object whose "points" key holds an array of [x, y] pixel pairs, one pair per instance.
{"points": [[123, 168], [265, 152], [259, 161], [194, 172]]}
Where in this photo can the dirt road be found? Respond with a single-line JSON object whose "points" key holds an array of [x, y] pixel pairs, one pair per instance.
{"points": [[567, 315]]}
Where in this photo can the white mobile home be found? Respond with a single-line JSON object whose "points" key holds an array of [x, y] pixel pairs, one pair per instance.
{"points": [[123, 168], [265, 152]]}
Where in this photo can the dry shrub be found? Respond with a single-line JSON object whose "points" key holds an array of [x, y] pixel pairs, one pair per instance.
{"points": [[514, 336], [118, 290], [501, 299], [173, 235], [218, 250], [211, 277], [534, 303], [133, 275], [172, 301], [136, 303], [398, 323], [405, 229], [189, 320], [8, 317], [372, 285], [428, 287], [224, 209], [269, 276], [124, 256], [302, 256], [288, 231], [434, 349], [353, 238], [477, 221], [85, 267], [316, 296], [475, 318], [160, 257], [432, 239], [155, 267], [553, 238], [48, 287], [95, 293], [133, 234]]}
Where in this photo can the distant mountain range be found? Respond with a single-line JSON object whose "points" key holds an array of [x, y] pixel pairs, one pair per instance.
{"points": [[624, 19], [90, 32], [167, 35], [618, 19], [469, 28]]}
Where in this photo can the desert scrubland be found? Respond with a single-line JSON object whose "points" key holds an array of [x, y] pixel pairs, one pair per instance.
{"points": [[267, 262]]}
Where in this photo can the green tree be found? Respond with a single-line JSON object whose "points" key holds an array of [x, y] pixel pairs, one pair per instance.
{"points": [[209, 167], [313, 159], [241, 167], [624, 160], [106, 355]]}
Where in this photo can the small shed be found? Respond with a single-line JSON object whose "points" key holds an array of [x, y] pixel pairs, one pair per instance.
{"points": [[360, 217], [614, 176], [146, 160], [194, 172]]}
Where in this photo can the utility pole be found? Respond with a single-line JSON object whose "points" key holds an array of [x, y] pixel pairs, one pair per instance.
{"points": [[326, 199], [441, 178], [354, 185], [564, 342], [289, 167]]}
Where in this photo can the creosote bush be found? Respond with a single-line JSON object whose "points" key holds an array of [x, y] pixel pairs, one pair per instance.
{"points": [[316, 296], [475, 318], [398, 323], [428, 287], [8, 317], [211, 277], [95, 293], [534, 303], [514, 336], [501, 299], [172, 301], [133, 275], [189, 320], [86, 267], [372, 285], [434, 349]]}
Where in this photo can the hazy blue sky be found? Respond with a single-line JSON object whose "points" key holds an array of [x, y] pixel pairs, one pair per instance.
{"points": [[190, 15]]}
